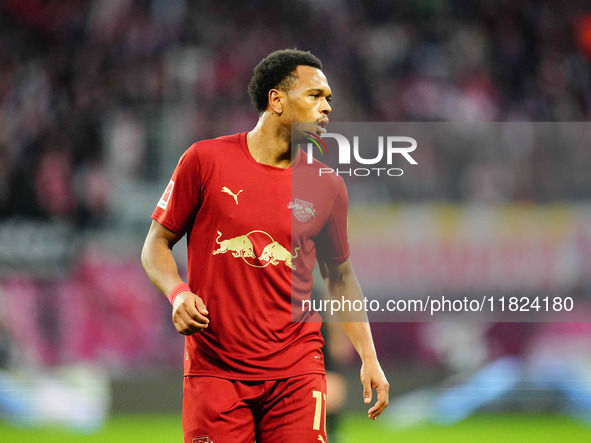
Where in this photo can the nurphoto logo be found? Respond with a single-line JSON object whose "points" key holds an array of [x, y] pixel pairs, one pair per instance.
{"points": [[381, 162]]}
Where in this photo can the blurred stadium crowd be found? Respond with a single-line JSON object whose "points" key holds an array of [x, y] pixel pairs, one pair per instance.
{"points": [[69, 68], [93, 92]]}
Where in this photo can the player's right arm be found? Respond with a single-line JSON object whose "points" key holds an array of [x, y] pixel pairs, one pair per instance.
{"points": [[189, 313]]}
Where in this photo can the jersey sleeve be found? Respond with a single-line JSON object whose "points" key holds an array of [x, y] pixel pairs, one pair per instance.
{"points": [[181, 199], [332, 243]]}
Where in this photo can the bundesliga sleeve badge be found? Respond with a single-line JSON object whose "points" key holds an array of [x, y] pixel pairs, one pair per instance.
{"points": [[163, 203]]}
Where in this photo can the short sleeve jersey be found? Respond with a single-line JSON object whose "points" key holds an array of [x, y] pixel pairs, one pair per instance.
{"points": [[253, 234]]}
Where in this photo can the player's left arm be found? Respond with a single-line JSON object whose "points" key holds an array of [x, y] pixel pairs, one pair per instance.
{"points": [[342, 283]]}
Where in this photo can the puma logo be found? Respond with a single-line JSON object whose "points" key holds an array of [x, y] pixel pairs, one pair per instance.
{"points": [[320, 438], [227, 191]]}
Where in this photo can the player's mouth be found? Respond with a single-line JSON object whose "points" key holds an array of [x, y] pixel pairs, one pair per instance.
{"points": [[322, 125]]}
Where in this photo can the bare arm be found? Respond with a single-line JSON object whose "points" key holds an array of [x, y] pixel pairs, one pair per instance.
{"points": [[189, 313], [341, 282]]}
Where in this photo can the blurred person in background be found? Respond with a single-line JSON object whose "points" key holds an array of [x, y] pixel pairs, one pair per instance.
{"points": [[250, 371], [337, 354], [75, 396], [530, 367]]}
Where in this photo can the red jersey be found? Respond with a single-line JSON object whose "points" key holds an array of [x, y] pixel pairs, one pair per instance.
{"points": [[253, 234]]}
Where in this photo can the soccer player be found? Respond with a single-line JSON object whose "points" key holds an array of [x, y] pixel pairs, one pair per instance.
{"points": [[251, 372]]}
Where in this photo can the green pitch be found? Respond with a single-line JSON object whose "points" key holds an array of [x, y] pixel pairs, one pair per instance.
{"points": [[355, 429]]}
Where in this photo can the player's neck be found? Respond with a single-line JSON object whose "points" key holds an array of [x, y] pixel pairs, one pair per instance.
{"points": [[269, 144]]}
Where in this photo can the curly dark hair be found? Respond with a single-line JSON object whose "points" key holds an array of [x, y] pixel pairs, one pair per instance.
{"points": [[277, 70]]}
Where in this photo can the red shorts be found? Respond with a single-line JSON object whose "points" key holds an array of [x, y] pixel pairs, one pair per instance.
{"points": [[290, 410]]}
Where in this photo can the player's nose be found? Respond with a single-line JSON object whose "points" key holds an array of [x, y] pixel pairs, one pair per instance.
{"points": [[326, 108]]}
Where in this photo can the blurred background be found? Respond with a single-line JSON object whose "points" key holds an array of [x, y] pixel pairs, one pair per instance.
{"points": [[98, 100]]}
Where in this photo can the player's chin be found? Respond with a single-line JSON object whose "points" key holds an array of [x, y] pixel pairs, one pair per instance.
{"points": [[304, 129]]}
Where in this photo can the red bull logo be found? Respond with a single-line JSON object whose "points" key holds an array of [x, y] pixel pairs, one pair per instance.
{"points": [[246, 246], [302, 210], [275, 253], [240, 246]]}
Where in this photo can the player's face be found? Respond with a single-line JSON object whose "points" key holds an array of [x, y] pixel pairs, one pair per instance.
{"points": [[309, 99]]}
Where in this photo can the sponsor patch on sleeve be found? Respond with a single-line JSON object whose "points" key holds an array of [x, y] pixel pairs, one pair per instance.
{"points": [[163, 203]]}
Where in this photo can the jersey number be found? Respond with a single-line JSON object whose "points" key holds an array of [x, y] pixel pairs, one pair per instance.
{"points": [[319, 396]]}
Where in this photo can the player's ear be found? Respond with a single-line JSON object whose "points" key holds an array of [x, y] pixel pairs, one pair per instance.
{"points": [[276, 101]]}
